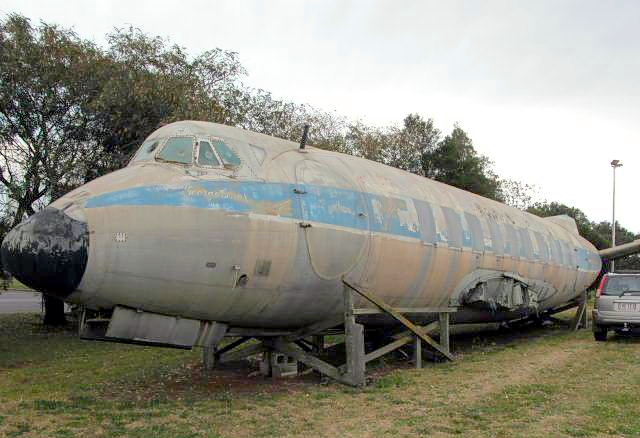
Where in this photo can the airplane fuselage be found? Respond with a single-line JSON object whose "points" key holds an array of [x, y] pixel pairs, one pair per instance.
{"points": [[262, 237]]}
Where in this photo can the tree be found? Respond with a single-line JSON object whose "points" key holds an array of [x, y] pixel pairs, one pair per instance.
{"points": [[408, 148], [365, 141], [455, 161], [517, 194], [46, 76]]}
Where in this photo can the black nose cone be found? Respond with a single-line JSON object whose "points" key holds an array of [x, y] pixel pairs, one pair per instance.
{"points": [[47, 252]]}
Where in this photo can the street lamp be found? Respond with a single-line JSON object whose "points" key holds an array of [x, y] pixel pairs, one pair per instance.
{"points": [[614, 165]]}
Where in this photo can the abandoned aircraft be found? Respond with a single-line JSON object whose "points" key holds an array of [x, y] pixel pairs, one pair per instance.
{"points": [[214, 230]]}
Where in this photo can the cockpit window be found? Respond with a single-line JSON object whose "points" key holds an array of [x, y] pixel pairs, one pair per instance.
{"points": [[229, 158], [177, 150], [206, 156], [147, 150]]}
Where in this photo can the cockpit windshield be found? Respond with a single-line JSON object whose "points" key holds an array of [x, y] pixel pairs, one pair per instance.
{"points": [[229, 158], [208, 152], [178, 150], [206, 157]]}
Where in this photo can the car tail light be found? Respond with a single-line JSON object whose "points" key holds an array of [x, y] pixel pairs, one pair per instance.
{"points": [[603, 283]]}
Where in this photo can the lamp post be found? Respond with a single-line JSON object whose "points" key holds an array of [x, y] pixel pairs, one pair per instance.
{"points": [[614, 164]]}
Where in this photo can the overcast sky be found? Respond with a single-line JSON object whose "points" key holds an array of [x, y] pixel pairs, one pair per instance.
{"points": [[547, 89]]}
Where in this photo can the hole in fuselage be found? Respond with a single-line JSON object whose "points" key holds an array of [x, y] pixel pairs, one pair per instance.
{"points": [[243, 280]]}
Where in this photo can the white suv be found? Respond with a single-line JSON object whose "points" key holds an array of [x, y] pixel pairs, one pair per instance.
{"points": [[617, 304]]}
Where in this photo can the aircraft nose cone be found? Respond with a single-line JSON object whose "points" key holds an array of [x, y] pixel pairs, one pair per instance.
{"points": [[47, 252]]}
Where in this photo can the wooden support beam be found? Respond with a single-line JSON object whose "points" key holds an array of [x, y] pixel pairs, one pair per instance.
{"points": [[318, 344], [354, 342], [444, 331], [231, 346], [404, 321], [304, 345], [387, 348], [310, 360], [315, 328], [242, 353], [209, 357], [418, 352], [580, 319], [562, 308], [402, 339]]}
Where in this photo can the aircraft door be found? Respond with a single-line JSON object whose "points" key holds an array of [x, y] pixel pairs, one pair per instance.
{"points": [[335, 220]]}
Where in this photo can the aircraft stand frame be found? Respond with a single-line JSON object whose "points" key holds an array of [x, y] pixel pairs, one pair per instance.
{"points": [[353, 371]]}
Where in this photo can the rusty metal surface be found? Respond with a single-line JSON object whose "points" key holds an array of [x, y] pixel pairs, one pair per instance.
{"points": [[225, 244]]}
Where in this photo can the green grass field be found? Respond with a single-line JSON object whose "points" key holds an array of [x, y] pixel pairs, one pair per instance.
{"points": [[539, 382], [16, 285]]}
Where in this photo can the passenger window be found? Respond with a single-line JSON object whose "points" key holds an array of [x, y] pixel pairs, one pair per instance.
{"points": [[206, 156], [147, 151], [477, 239], [525, 243], [454, 227], [497, 239], [543, 249], [178, 150], [228, 157], [427, 221], [510, 240]]}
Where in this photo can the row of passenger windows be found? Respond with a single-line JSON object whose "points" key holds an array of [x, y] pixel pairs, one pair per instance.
{"points": [[181, 149], [466, 230]]}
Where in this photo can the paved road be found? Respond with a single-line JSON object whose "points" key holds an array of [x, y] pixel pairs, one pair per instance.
{"points": [[18, 302], [13, 301]]}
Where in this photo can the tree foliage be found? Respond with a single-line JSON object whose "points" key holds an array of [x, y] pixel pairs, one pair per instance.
{"points": [[47, 75], [455, 161]]}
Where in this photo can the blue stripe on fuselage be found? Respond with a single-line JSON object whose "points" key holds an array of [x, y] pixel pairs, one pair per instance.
{"points": [[328, 205], [321, 204]]}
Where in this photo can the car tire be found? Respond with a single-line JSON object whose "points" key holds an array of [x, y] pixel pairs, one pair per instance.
{"points": [[600, 334]]}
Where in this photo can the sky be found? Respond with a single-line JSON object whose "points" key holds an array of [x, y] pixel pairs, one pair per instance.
{"points": [[548, 90]]}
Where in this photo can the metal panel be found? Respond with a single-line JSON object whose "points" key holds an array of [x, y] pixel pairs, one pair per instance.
{"points": [[152, 328]]}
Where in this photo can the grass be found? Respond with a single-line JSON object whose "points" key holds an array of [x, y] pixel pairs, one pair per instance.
{"points": [[538, 382], [16, 285]]}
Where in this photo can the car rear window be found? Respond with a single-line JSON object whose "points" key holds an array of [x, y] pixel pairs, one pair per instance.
{"points": [[619, 284]]}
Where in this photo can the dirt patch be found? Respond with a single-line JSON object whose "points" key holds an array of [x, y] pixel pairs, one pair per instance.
{"points": [[193, 381]]}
